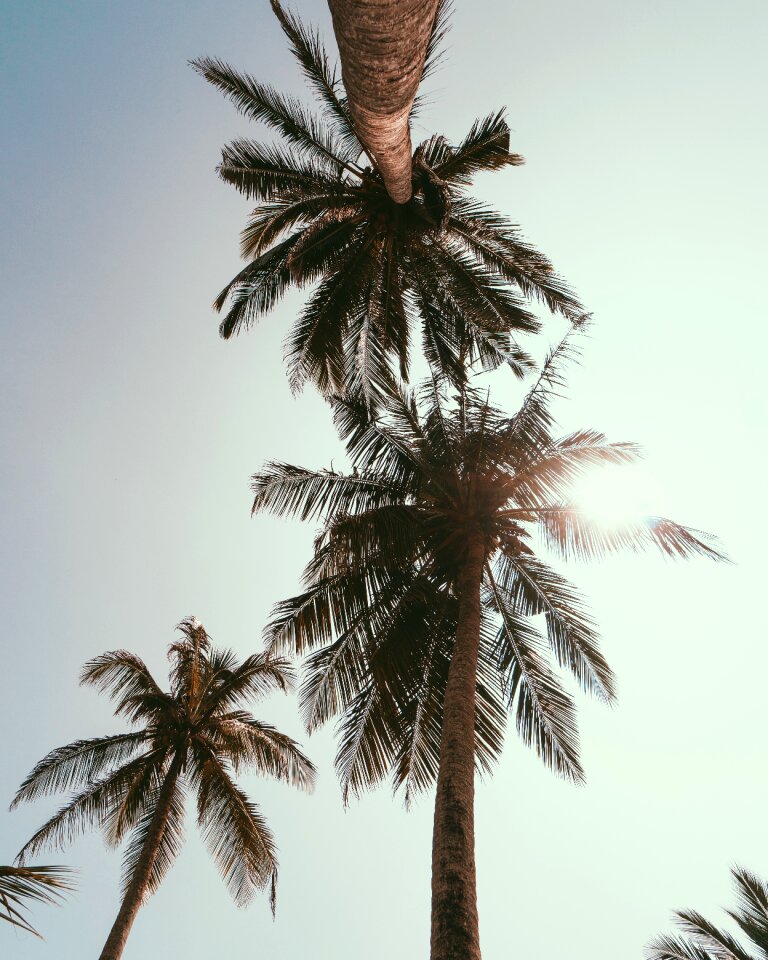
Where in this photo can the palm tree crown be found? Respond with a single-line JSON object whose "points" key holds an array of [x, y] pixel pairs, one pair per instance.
{"points": [[429, 480], [323, 216], [193, 738], [702, 940], [21, 886], [419, 601]]}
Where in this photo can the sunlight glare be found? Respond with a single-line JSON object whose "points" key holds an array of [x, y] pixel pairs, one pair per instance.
{"points": [[617, 495]]}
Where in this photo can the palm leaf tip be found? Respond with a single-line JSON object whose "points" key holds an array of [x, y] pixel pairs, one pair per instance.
{"points": [[22, 885]]}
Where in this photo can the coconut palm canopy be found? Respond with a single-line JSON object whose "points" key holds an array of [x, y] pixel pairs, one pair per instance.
{"points": [[379, 613], [192, 738], [702, 940], [443, 262], [20, 887]]}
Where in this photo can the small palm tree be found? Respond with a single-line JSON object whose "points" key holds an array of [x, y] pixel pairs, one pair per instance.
{"points": [[442, 261], [701, 940], [21, 886], [193, 738], [418, 603]]}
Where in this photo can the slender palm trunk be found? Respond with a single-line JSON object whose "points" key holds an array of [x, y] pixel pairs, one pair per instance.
{"points": [[455, 930], [383, 44], [134, 895]]}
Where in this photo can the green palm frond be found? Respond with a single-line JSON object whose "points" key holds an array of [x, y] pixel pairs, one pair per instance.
{"points": [[22, 886]]}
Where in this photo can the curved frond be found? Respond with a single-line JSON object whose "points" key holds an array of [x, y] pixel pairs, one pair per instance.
{"points": [[485, 147], [89, 808], [125, 678], [285, 490], [80, 762], [531, 587], [268, 171], [246, 743], [545, 714], [568, 531], [309, 51], [235, 833], [169, 846], [261, 102], [22, 886]]}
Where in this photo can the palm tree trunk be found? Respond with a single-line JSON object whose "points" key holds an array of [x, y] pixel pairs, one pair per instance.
{"points": [[382, 44], [134, 895], [455, 930]]}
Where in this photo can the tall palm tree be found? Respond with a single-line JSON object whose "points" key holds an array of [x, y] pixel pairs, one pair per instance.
{"points": [[21, 886], [702, 940], [419, 598], [383, 47], [192, 738], [442, 261]]}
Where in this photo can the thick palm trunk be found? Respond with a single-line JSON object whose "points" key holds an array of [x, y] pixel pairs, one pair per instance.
{"points": [[455, 930], [383, 44], [134, 895]]}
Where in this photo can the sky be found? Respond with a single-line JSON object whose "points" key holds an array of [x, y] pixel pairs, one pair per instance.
{"points": [[129, 431]]}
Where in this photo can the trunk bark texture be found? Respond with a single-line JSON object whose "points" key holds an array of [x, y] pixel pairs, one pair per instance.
{"points": [[134, 895], [455, 929], [383, 44]]}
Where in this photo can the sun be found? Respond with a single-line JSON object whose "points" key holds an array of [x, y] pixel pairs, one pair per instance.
{"points": [[612, 496]]}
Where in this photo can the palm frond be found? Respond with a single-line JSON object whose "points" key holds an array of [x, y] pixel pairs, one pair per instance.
{"points": [[285, 490], [245, 742], [718, 942], [125, 678], [261, 102], [577, 537], [485, 147], [545, 715], [752, 903], [168, 846], [89, 808], [80, 762], [531, 587], [256, 288], [269, 171], [21, 886], [308, 49], [676, 948], [234, 831]]}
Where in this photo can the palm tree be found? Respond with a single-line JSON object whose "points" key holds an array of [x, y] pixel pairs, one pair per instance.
{"points": [[702, 940], [419, 598], [193, 738], [383, 47], [441, 261], [19, 886]]}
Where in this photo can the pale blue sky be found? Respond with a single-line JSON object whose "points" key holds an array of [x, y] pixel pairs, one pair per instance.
{"points": [[129, 431]]}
